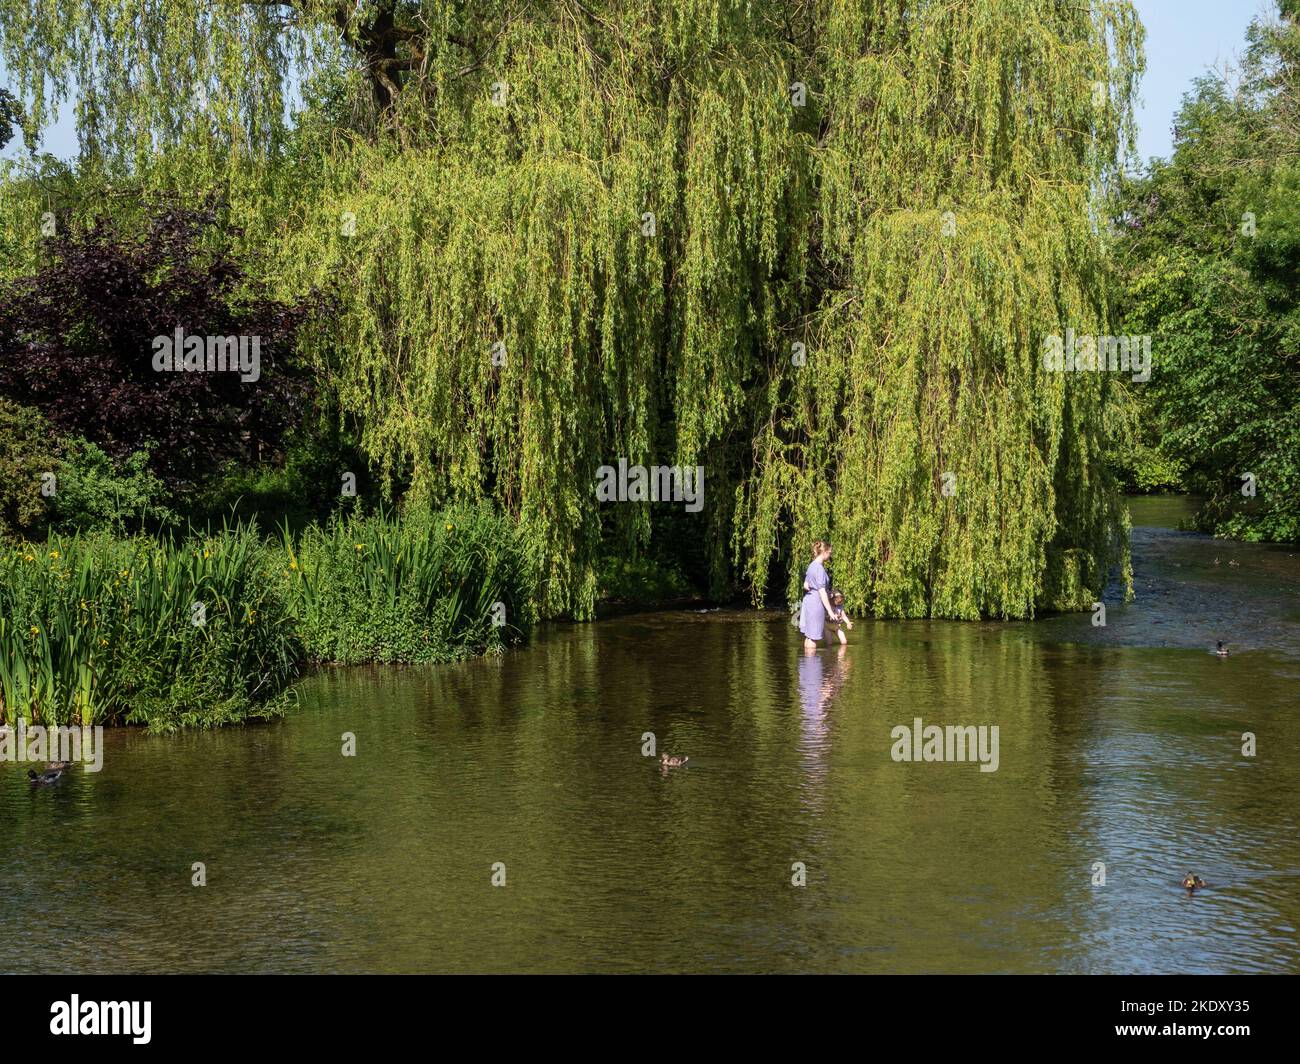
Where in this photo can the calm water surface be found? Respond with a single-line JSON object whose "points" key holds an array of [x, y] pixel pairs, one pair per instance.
{"points": [[1119, 745]]}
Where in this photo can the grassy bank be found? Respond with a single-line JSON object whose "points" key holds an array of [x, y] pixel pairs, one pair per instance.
{"points": [[213, 629]]}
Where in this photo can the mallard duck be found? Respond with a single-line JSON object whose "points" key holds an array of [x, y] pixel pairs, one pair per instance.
{"points": [[672, 762], [1220, 649], [45, 778], [1192, 883]]}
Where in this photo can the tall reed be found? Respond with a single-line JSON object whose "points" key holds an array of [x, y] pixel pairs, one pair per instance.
{"points": [[212, 629], [422, 588], [98, 630]]}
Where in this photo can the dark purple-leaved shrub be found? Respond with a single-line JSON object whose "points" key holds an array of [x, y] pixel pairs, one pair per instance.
{"points": [[77, 344]]}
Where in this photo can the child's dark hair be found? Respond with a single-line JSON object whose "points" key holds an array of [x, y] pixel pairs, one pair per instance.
{"points": [[837, 598]]}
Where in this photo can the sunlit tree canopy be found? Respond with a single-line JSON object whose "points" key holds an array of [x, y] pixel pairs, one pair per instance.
{"points": [[812, 247]]}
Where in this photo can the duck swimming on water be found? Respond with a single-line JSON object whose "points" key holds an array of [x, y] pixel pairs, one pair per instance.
{"points": [[1192, 883], [45, 778], [1220, 649]]}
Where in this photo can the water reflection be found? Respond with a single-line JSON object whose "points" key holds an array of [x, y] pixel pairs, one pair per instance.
{"points": [[822, 673]]}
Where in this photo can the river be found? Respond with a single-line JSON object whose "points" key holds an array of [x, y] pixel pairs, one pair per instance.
{"points": [[1119, 746]]}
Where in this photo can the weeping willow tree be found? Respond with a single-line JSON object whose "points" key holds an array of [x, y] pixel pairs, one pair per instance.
{"points": [[966, 148], [814, 248]]}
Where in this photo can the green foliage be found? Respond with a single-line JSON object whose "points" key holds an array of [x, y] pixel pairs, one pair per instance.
{"points": [[27, 453], [627, 196], [302, 488], [642, 580], [11, 117], [96, 493], [141, 73], [419, 589], [1148, 469], [97, 630], [1210, 253], [524, 224]]}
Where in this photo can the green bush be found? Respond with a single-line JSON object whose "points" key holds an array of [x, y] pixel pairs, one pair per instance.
{"points": [[1208, 254], [420, 589], [1145, 469], [95, 493], [97, 630], [302, 487], [26, 455], [643, 581]]}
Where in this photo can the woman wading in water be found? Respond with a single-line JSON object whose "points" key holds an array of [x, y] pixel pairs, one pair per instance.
{"points": [[817, 608]]}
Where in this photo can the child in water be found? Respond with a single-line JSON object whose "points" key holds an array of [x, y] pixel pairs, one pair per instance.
{"points": [[840, 620]]}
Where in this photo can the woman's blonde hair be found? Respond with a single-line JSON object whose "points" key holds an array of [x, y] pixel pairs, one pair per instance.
{"points": [[820, 547]]}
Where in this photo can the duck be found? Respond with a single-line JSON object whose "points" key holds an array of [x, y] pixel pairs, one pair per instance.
{"points": [[58, 766], [1220, 649], [672, 762], [1192, 883], [45, 778]]}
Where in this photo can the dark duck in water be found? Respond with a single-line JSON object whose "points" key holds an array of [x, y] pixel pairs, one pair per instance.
{"points": [[44, 779]]}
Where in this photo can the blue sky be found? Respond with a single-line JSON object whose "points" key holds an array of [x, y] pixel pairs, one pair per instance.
{"points": [[1184, 39]]}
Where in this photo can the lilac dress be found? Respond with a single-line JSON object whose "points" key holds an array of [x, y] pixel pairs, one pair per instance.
{"points": [[812, 615]]}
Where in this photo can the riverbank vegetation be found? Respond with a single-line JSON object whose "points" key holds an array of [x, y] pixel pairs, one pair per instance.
{"points": [[96, 629], [426, 588], [211, 629]]}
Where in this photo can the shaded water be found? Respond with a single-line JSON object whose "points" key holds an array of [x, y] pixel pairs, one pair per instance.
{"points": [[1119, 745]]}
